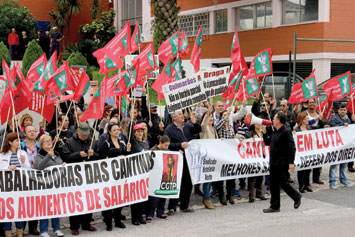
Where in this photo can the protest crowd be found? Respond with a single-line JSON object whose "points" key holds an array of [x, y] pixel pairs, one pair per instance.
{"points": [[133, 125]]}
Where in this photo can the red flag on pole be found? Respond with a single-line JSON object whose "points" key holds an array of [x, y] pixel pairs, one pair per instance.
{"points": [[304, 91], [183, 45], [196, 52], [169, 48], [338, 87]]}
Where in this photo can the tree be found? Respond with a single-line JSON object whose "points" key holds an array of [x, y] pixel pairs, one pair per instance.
{"points": [[4, 54], [14, 16], [32, 53]]}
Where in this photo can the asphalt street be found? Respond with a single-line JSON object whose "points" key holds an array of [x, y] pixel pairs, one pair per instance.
{"points": [[324, 212]]}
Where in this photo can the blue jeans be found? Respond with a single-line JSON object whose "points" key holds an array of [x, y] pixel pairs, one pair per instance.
{"points": [[43, 225], [8, 225], [155, 203], [333, 173], [13, 51], [206, 191]]}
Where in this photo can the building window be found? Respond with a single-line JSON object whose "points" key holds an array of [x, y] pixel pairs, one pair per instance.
{"points": [[191, 23], [132, 12], [254, 16], [221, 21], [297, 11]]}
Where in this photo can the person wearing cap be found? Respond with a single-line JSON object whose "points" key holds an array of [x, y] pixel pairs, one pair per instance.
{"points": [[56, 37], [180, 133], [136, 145], [78, 149]]}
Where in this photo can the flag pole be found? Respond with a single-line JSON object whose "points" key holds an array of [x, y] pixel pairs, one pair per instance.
{"points": [[7, 119], [150, 116], [56, 117], [131, 124], [15, 118], [76, 114], [119, 107], [268, 113], [273, 85], [61, 127]]}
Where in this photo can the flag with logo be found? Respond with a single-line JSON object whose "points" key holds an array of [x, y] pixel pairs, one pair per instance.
{"points": [[164, 77], [35, 74], [196, 51], [304, 91], [96, 106], [136, 40], [177, 69], [39, 102], [183, 45], [236, 53], [251, 87], [128, 79], [105, 63], [169, 48], [113, 87], [22, 94], [146, 63], [261, 64], [9, 82], [81, 89], [338, 87], [325, 107]]}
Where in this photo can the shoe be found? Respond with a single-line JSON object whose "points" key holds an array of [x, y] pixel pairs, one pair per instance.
{"points": [[302, 190], [308, 189], [290, 181], [198, 191], [90, 228], [142, 221], [109, 228], [149, 219], [223, 200], [298, 202], [135, 223], [333, 187], [230, 199], [59, 233], [75, 232], [45, 234], [123, 217], [189, 209], [120, 225], [213, 193], [171, 212], [164, 217], [262, 198], [208, 204], [251, 200], [318, 182], [348, 185], [270, 210], [351, 169], [34, 232], [236, 193]]}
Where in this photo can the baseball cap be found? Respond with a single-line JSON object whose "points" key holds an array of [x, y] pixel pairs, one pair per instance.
{"points": [[138, 126], [84, 129], [152, 105]]}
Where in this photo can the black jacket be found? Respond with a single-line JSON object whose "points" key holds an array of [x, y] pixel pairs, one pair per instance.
{"points": [[177, 136], [282, 148], [108, 149], [73, 147], [138, 146]]}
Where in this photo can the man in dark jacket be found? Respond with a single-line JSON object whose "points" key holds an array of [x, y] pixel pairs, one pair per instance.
{"points": [[77, 149], [282, 156], [180, 133]]}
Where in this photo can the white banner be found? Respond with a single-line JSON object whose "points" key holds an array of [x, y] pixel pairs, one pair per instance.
{"points": [[211, 160], [88, 187], [215, 80], [183, 93], [165, 177]]}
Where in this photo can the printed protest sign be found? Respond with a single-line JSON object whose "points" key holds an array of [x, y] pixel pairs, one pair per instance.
{"points": [[215, 80]]}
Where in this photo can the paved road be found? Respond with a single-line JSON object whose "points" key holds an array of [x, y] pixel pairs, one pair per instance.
{"points": [[324, 212]]}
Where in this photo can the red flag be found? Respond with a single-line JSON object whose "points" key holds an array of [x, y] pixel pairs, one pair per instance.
{"points": [[183, 45], [97, 104], [236, 53], [236, 70], [39, 103], [105, 63], [36, 71], [5, 106], [136, 40], [119, 46], [9, 82], [113, 88], [338, 87], [146, 63], [196, 52], [169, 48], [122, 102], [164, 77], [304, 91], [261, 64], [22, 94], [250, 87], [84, 83], [325, 107], [351, 103]]}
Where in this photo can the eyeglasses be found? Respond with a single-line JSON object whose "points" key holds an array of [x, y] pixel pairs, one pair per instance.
{"points": [[263, 105]]}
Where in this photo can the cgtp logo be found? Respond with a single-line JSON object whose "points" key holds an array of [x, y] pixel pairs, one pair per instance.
{"points": [[168, 185], [198, 154]]}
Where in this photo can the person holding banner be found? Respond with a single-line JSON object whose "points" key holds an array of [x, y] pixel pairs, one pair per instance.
{"points": [[180, 133], [113, 147], [78, 149], [46, 157], [282, 156], [340, 119], [136, 145], [12, 157], [303, 175]]}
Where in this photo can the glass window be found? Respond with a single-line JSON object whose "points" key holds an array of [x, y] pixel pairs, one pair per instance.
{"points": [[221, 21], [297, 11], [254, 16], [132, 12], [191, 23]]}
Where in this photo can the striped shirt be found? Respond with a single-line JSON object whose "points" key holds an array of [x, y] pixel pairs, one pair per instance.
{"points": [[14, 160]]}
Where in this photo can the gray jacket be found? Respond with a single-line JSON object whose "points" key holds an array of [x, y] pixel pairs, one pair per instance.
{"points": [[45, 160]]}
